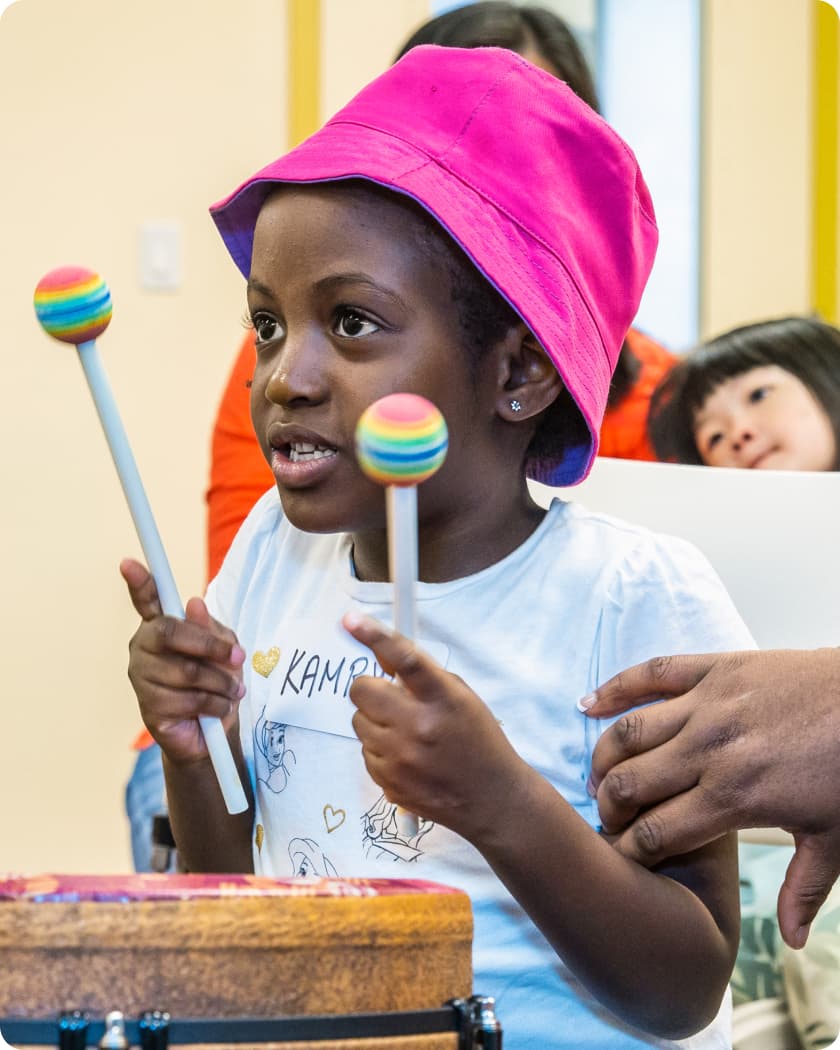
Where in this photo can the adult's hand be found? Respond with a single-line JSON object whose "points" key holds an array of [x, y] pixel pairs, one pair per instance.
{"points": [[745, 740]]}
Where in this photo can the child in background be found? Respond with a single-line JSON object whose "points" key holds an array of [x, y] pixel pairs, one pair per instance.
{"points": [[468, 230], [763, 396]]}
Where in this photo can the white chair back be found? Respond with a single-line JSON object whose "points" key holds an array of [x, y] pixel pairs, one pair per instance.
{"points": [[772, 536]]}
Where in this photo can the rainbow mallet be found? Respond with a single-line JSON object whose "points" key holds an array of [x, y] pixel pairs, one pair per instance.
{"points": [[73, 304], [402, 440]]}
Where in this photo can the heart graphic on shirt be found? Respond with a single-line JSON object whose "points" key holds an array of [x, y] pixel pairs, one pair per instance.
{"points": [[333, 818], [264, 663]]}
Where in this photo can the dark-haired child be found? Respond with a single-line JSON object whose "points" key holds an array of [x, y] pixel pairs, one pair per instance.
{"points": [[762, 396], [468, 230]]}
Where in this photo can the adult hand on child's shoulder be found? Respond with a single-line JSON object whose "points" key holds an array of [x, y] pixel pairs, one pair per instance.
{"points": [[181, 669], [745, 740], [428, 740]]}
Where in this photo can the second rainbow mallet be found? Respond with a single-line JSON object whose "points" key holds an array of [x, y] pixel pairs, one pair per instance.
{"points": [[401, 440]]}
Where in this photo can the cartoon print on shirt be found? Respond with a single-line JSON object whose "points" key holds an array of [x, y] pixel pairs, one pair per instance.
{"points": [[307, 859], [387, 833], [271, 753]]}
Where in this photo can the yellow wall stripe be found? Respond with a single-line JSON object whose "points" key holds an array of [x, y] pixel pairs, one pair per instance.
{"points": [[304, 90], [825, 161]]}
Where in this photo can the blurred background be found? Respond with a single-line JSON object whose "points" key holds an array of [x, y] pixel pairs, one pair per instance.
{"points": [[120, 123]]}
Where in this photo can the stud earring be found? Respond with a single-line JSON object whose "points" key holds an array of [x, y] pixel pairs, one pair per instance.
{"points": [[515, 406]]}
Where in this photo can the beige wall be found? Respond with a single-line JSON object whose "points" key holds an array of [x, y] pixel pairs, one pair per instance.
{"points": [[359, 40], [113, 114], [756, 169]]}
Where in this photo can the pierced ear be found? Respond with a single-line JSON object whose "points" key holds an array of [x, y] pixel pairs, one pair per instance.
{"points": [[528, 381]]}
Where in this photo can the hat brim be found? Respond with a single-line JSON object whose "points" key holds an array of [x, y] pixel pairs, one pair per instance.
{"points": [[516, 262]]}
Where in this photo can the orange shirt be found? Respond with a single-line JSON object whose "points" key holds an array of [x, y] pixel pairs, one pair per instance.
{"points": [[239, 474], [624, 430]]}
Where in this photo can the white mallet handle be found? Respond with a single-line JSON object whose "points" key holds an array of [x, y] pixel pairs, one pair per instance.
{"points": [[402, 555], [144, 522], [401, 505]]}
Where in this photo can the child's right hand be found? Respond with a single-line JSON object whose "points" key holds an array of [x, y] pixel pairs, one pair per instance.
{"points": [[181, 669]]}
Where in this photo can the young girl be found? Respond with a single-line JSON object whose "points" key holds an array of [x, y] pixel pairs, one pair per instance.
{"points": [[238, 472], [764, 396], [468, 230]]}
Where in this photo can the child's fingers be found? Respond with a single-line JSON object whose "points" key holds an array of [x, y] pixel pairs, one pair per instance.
{"points": [[197, 612], [141, 588], [184, 673], [381, 701], [374, 737], [169, 637], [164, 704], [396, 654]]}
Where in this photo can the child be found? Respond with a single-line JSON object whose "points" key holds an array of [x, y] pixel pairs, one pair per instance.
{"points": [[764, 396], [239, 474], [468, 230]]}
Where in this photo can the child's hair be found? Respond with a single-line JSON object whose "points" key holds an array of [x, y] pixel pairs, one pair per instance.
{"points": [[804, 346], [496, 23], [530, 185]]}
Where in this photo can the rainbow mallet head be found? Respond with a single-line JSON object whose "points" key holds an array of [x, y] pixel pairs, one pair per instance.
{"points": [[73, 304], [401, 440]]}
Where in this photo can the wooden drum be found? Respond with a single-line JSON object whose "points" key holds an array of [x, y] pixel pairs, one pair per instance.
{"points": [[234, 946]]}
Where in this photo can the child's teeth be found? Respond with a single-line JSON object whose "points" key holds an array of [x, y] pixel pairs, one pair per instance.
{"points": [[302, 451]]}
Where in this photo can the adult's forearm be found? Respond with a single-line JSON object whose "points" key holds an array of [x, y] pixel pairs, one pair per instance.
{"points": [[645, 945], [207, 837]]}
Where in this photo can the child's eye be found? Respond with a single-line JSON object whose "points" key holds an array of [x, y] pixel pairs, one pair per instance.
{"points": [[712, 440], [352, 323], [759, 394], [268, 328]]}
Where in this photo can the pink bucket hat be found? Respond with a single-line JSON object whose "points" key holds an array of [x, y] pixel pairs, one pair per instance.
{"points": [[542, 195]]}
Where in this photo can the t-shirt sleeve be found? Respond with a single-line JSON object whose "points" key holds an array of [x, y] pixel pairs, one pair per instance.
{"points": [[226, 590], [665, 598]]}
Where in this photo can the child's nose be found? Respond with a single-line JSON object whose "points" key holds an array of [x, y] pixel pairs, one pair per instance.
{"points": [[743, 434], [297, 374]]}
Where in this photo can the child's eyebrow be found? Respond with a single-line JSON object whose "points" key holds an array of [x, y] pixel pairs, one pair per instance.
{"points": [[335, 280], [255, 285]]}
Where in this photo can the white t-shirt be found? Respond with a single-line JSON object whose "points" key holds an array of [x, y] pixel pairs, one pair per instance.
{"points": [[583, 598]]}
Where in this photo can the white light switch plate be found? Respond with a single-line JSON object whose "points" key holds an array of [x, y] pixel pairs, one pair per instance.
{"points": [[161, 256]]}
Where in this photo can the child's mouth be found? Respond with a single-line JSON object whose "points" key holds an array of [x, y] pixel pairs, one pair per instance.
{"points": [[304, 452]]}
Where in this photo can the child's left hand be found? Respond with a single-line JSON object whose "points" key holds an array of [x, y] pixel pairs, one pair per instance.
{"points": [[428, 740]]}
